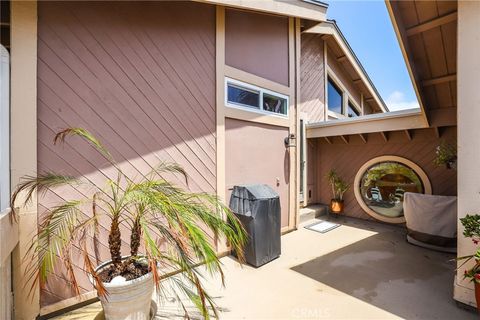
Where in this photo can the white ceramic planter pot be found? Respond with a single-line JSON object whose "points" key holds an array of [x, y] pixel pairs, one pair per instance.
{"points": [[130, 300]]}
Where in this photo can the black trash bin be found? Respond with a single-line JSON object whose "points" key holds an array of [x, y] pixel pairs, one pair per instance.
{"points": [[258, 208]]}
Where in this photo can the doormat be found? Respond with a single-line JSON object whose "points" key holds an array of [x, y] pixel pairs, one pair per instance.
{"points": [[322, 226]]}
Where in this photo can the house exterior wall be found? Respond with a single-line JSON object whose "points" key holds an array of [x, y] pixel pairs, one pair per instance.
{"points": [[259, 50], [141, 77], [347, 159], [258, 44], [250, 160], [468, 113], [311, 190], [312, 77], [335, 67], [23, 142]]}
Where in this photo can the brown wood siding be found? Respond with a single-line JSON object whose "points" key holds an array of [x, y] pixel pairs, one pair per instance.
{"points": [[141, 77], [312, 77], [345, 79], [258, 44], [348, 158], [433, 50]]}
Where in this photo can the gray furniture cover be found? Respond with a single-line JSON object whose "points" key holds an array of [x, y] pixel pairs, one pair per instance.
{"points": [[431, 221], [258, 208]]}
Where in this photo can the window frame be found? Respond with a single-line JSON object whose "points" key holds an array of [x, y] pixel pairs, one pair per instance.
{"points": [[404, 161], [354, 106], [342, 91], [261, 91]]}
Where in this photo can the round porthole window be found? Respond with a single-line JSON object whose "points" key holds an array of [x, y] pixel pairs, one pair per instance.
{"points": [[381, 182]]}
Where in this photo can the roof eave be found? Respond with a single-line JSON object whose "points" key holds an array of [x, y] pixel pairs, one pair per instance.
{"points": [[331, 28], [311, 10], [404, 49], [380, 122]]}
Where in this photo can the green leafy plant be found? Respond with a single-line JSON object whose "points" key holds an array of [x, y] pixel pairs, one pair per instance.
{"points": [[471, 224], [446, 154], [337, 184], [167, 224]]}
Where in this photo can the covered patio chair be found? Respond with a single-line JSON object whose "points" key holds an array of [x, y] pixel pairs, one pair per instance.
{"points": [[431, 221]]}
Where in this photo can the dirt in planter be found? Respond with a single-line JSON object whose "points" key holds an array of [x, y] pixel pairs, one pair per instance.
{"points": [[129, 269]]}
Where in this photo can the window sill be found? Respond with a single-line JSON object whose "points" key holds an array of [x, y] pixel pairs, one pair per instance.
{"points": [[256, 116]]}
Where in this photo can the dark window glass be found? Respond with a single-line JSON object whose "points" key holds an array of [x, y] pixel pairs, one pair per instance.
{"points": [[274, 104], [383, 185], [335, 99], [352, 111], [243, 97]]}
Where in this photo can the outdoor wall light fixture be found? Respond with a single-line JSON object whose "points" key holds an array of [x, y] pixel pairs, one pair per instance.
{"points": [[290, 141]]}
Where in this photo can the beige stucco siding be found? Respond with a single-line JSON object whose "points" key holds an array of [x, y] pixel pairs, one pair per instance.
{"points": [[468, 65], [141, 77]]}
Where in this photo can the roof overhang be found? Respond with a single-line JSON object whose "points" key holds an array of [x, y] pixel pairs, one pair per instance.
{"points": [[305, 9], [422, 35], [403, 120], [330, 28], [380, 122], [402, 41]]}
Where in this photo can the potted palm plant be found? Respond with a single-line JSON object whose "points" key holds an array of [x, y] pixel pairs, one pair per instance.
{"points": [[167, 227], [446, 155], [471, 224], [338, 187]]}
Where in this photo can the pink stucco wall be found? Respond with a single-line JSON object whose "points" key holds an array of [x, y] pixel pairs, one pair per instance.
{"points": [[258, 44], [255, 153]]}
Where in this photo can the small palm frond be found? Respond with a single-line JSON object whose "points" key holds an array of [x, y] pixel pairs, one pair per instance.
{"points": [[177, 230], [169, 167], [218, 217], [57, 231], [89, 267], [85, 135], [41, 183]]}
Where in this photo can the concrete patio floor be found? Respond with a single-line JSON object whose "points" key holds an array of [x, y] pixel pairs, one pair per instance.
{"points": [[361, 270]]}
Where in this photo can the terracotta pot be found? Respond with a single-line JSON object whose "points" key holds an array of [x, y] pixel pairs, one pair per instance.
{"points": [[129, 300], [336, 206], [452, 164], [477, 295]]}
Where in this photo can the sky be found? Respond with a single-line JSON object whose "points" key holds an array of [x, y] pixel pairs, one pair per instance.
{"points": [[367, 27]]}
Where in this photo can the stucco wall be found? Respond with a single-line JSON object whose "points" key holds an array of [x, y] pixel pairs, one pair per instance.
{"points": [[141, 77], [348, 158], [468, 65], [258, 44], [255, 153]]}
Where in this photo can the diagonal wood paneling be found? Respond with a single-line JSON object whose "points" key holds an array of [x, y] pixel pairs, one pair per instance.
{"points": [[348, 158], [141, 77], [312, 77]]}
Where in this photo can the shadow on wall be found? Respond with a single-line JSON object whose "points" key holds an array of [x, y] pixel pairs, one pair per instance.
{"points": [[385, 271], [141, 78]]}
